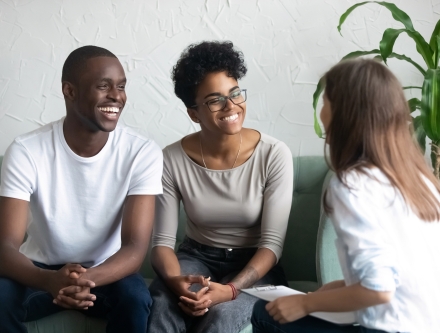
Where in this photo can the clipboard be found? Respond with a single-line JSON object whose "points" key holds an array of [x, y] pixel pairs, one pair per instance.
{"points": [[270, 293]]}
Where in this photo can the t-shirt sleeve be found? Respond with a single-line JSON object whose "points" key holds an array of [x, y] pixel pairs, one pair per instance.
{"points": [[357, 216], [146, 178], [18, 173], [167, 210], [277, 200]]}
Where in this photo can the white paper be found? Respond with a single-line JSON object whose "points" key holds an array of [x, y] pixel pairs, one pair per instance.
{"points": [[270, 293]]}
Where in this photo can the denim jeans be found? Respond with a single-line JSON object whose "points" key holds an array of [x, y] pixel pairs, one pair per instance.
{"points": [[262, 322], [221, 265], [125, 304]]}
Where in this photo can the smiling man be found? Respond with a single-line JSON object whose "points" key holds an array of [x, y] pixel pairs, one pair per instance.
{"points": [[89, 186]]}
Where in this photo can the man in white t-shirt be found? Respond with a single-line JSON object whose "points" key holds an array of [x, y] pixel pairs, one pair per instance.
{"points": [[83, 189]]}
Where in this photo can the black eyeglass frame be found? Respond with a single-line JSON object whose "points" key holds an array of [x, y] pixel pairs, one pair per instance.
{"points": [[226, 98]]}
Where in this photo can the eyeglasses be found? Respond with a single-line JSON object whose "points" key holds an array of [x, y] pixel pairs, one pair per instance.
{"points": [[219, 103]]}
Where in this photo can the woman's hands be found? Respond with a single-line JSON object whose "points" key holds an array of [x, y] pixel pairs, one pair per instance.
{"points": [[291, 308], [288, 308], [180, 285], [209, 296]]}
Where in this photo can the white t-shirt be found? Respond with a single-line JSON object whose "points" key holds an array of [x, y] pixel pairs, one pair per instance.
{"points": [[75, 202], [383, 245]]}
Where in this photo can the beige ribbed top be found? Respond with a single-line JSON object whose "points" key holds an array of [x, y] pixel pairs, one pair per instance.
{"points": [[247, 206]]}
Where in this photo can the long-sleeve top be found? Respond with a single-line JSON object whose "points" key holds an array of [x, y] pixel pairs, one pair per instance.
{"points": [[385, 246], [247, 206]]}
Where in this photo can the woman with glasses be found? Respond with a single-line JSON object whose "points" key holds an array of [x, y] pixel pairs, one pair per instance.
{"points": [[236, 187]]}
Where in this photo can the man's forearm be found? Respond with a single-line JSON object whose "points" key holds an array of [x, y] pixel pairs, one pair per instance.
{"points": [[16, 266], [126, 261]]}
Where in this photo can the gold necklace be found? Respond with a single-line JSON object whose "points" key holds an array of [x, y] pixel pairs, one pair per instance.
{"points": [[203, 158]]}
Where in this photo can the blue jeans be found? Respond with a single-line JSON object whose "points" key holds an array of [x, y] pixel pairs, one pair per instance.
{"points": [[262, 322], [221, 265], [125, 304]]}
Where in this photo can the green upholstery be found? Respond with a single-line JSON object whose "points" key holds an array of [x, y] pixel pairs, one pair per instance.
{"points": [[299, 252], [309, 257], [327, 262]]}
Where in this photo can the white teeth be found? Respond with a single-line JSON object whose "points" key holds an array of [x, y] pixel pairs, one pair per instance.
{"points": [[230, 118], [109, 109]]}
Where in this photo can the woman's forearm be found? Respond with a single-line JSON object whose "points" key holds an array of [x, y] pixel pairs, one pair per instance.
{"points": [[164, 262], [261, 263], [351, 298]]}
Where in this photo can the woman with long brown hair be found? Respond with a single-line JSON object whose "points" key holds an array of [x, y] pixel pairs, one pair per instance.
{"points": [[384, 204]]}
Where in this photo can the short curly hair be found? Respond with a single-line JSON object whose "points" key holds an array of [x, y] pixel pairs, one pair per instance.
{"points": [[198, 60]]}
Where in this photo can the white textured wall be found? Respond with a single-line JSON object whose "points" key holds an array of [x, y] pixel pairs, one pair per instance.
{"points": [[288, 45]]}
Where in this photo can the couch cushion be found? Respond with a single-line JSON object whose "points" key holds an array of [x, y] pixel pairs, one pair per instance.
{"points": [[299, 251]]}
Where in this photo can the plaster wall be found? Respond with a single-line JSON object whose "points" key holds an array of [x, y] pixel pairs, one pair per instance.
{"points": [[288, 45]]}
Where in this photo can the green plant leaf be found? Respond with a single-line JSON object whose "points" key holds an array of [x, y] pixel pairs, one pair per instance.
{"points": [[430, 107], [398, 14], [316, 94], [414, 104], [357, 54], [411, 87], [419, 132], [389, 38], [437, 54], [434, 43], [404, 57]]}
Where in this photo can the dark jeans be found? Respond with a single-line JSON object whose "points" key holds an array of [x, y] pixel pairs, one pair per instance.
{"points": [[262, 322], [221, 265], [125, 304]]}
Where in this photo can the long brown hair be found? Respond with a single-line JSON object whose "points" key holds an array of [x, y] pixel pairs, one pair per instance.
{"points": [[370, 126]]}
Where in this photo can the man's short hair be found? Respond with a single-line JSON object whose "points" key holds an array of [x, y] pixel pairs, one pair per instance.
{"points": [[77, 59]]}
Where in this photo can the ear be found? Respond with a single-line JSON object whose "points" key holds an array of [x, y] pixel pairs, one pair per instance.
{"points": [[192, 113], [69, 90]]}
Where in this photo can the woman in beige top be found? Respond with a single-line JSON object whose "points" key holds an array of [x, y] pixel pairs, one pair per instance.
{"points": [[236, 187]]}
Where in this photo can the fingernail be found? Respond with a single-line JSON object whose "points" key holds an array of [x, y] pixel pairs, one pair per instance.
{"points": [[206, 310], [206, 288], [55, 301]]}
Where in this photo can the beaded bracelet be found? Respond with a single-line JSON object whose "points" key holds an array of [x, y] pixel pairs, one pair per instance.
{"points": [[234, 291]]}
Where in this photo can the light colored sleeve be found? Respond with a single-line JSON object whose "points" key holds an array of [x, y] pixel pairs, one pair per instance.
{"points": [[18, 173], [277, 200], [146, 178], [357, 216], [167, 209]]}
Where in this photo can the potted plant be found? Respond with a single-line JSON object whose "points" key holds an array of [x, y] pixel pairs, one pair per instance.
{"points": [[428, 122]]}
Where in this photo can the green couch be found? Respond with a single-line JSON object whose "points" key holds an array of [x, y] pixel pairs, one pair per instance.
{"points": [[309, 256]]}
